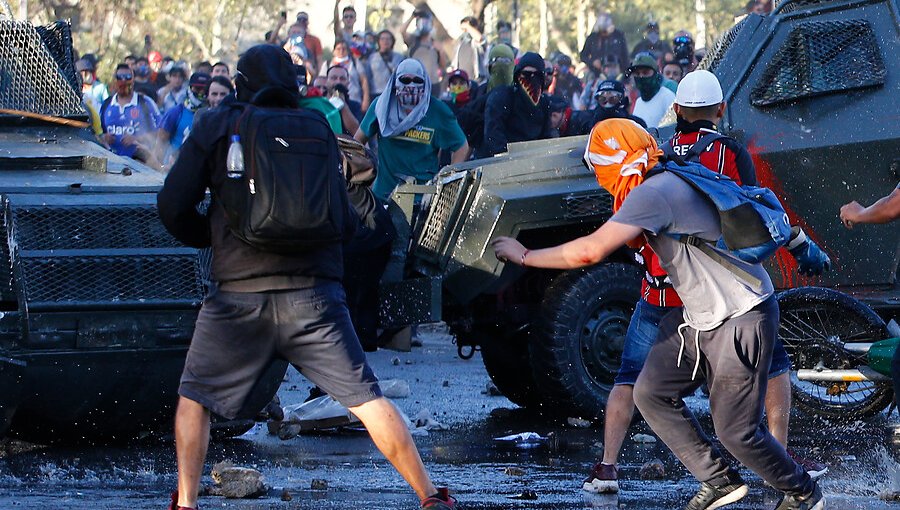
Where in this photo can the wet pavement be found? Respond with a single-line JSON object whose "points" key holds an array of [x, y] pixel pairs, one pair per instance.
{"points": [[464, 457]]}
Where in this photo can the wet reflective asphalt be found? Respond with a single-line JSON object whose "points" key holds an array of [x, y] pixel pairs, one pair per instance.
{"points": [[483, 476]]}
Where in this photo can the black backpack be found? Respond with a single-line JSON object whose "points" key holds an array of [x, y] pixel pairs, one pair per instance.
{"points": [[292, 197]]}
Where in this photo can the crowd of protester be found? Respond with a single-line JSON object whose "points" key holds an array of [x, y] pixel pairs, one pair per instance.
{"points": [[497, 93]]}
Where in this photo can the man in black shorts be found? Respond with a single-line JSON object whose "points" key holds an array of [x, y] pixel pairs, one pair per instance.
{"points": [[266, 305]]}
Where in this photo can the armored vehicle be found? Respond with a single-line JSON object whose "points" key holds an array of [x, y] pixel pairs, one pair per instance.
{"points": [[97, 300], [812, 91]]}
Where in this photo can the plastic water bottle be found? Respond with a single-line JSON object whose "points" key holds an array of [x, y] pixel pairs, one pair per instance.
{"points": [[234, 164]]}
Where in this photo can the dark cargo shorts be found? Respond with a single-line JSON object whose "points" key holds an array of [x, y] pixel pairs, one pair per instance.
{"points": [[238, 334]]}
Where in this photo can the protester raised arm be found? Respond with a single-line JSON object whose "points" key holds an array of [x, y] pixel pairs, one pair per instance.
{"points": [[885, 210]]}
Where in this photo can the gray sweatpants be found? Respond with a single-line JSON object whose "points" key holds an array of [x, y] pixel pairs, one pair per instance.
{"points": [[734, 361]]}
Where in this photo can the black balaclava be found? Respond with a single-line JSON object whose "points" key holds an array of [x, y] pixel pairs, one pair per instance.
{"points": [[265, 68], [532, 87], [649, 86]]}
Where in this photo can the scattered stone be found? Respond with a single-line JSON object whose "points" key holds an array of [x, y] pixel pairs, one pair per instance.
{"points": [[580, 423], [415, 342], [446, 383], [237, 482], [643, 438], [273, 427], [424, 419], [394, 388], [286, 495], [889, 495], [395, 361], [408, 362], [491, 390], [272, 411], [527, 495], [597, 446], [318, 484], [653, 470], [501, 412], [513, 471]]}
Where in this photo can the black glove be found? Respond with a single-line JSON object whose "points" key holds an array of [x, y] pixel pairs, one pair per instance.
{"points": [[811, 260]]}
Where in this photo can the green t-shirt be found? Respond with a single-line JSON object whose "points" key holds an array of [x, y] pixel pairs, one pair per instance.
{"points": [[332, 114], [415, 152]]}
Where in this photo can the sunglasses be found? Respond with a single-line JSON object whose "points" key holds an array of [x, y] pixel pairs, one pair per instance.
{"points": [[528, 75], [609, 97], [406, 80], [124, 77]]}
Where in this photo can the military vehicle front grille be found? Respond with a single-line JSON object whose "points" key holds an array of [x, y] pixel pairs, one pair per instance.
{"points": [[115, 279], [96, 227], [444, 207], [583, 206], [714, 57], [819, 57], [66, 256], [32, 78]]}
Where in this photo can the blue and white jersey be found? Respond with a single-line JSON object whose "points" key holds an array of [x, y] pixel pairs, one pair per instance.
{"points": [[137, 118]]}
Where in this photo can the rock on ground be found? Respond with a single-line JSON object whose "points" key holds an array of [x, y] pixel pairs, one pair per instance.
{"points": [[237, 482]]}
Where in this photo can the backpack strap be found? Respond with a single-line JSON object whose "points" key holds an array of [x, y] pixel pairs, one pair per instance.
{"points": [[707, 248], [693, 154]]}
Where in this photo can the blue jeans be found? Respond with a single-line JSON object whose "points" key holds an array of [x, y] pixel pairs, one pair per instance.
{"points": [[641, 335]]}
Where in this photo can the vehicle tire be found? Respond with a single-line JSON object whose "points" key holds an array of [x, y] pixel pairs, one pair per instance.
{"points": [[577, 348], [507, 361], [815, 323]]}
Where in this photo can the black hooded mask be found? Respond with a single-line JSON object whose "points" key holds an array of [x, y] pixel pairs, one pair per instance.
{"points": [[532, 85], [266, 77]]}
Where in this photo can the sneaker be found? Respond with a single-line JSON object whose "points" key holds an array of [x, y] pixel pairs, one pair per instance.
{"points": [[814, 501], [604, 479], [715, 496], [441, 501], [174, 504], [814, 468]]}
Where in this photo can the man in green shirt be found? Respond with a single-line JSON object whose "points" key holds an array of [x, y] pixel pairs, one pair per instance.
{"points": [[412, 128]]}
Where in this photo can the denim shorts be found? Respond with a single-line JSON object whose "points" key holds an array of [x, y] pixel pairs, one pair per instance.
{"points": [[238, 334], [642, 333]]}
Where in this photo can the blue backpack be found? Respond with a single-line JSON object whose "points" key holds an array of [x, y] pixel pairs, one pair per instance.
{"points": [[753, 222]]}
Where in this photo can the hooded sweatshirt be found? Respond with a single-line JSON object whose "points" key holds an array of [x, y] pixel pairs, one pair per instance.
{"points": [[517, 112]]}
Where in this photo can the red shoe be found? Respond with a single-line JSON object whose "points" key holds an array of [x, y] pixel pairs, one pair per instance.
{"points": [[442, 501], [604, 479], [174, 504], [814, 468]]}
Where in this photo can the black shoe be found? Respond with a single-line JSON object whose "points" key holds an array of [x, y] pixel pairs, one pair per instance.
{"points": [[716, 496], [814, 501]]}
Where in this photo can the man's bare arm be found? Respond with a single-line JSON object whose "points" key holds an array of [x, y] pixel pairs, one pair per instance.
{"points": [[884, 210], [584, 251]]}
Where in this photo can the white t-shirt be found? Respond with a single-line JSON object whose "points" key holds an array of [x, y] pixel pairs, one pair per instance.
{"points": [[652, 111]]}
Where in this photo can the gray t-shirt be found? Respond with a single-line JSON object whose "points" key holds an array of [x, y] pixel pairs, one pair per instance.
{"points": [[664, 205]]}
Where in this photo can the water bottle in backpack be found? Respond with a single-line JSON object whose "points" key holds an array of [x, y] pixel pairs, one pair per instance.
{"points": [[234, 163]]}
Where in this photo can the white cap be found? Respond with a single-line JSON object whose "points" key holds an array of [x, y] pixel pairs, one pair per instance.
{"points": [[699, 88]]}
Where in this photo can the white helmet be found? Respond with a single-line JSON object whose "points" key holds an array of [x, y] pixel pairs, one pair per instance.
{"points": [[699, 88]]}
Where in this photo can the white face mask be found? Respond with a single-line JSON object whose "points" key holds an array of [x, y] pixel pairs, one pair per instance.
{"points": [[409, 95]]}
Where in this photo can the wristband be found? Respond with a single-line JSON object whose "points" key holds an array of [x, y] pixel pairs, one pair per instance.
{"points": [[523, 258], [797, 241]]}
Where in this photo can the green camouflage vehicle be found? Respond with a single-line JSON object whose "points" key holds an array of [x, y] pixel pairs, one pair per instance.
{"points": [[812, 91]]}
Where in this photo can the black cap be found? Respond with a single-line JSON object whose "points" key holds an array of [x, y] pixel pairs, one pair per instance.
{"points": [[199, 79], [264, 66], [610, 86]]}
